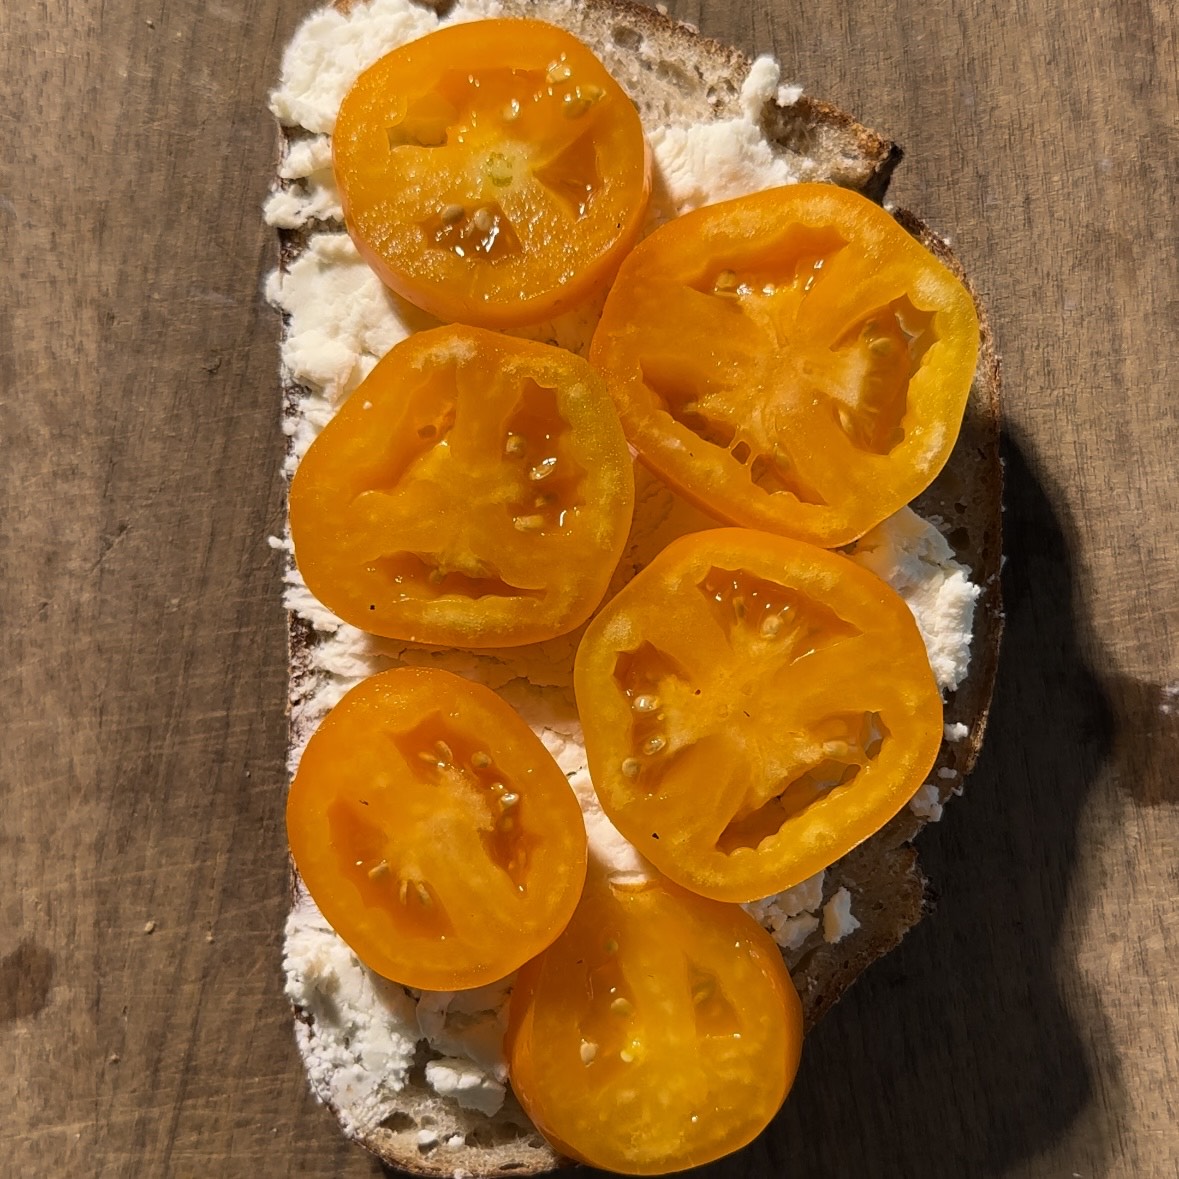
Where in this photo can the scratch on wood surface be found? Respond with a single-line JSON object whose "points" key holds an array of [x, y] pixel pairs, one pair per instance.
{"points": [[49, 1130], [108, 545]]}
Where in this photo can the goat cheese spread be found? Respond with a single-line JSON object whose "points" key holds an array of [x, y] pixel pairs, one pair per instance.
{"points": [[366, 1034]]}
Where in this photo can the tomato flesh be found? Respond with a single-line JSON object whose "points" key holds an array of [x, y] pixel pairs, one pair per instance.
{"points": [[659, 1031], [754, 707], [791, 360], [492, 172], [434, 831], [474, 491]]}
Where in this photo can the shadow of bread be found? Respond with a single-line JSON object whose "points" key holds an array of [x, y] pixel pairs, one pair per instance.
{"points": [[965, 1027]]}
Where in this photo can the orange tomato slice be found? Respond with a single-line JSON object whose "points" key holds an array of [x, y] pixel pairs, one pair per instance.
{"points": [[754, 707], [791, 361], [475, 490], [434, 831], [658, 1032], [491, 172]]}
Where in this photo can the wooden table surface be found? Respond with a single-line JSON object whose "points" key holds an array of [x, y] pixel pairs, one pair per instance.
{"points": [[1028, 1029]]}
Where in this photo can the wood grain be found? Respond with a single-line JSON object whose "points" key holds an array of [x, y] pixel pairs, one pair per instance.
{"points": [[1029, 1029]]}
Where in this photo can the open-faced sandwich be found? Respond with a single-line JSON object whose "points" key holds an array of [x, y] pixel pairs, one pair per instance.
{"points": [[643, 575]]}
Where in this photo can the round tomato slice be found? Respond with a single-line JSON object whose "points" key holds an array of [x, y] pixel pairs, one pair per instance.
{"points": [[475, 490], [491, 172], [753, 708], [434, 831], [660, 1031], [792, 360]]}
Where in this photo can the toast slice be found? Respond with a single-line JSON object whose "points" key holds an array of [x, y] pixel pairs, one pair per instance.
{"points": [[676, 77]]}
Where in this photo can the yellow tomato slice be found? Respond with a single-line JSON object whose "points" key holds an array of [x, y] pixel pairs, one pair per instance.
{"points": [[660, 1031], [475, 490], [492, 172], [434, 831], [754, 707], [791, 360]]}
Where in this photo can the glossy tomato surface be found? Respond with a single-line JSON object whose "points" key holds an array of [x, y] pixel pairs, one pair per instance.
{"points": [[754, 707], [791, 360], [475, 491], [434, 831], [492, 172], [660, 1031]]}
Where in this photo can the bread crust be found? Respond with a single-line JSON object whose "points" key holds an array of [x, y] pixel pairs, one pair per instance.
{"points": [[890, 893]]}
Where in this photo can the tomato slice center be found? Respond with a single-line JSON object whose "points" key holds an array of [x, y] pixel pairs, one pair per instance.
{"points": [[451, 465], [802, 346], [808, 730], [485, 811], [518, 148]]}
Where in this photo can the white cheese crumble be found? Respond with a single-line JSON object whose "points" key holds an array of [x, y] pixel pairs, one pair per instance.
{"points": [[332, 48], [469, 1025], [361, 1042], [790, 916], [469, 1085], [917, 561], [838, 921], [365, 1032], [926, 803], [702, 163]]}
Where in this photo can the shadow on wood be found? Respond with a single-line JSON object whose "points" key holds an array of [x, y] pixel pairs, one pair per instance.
{"points": [[26, 974]]}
